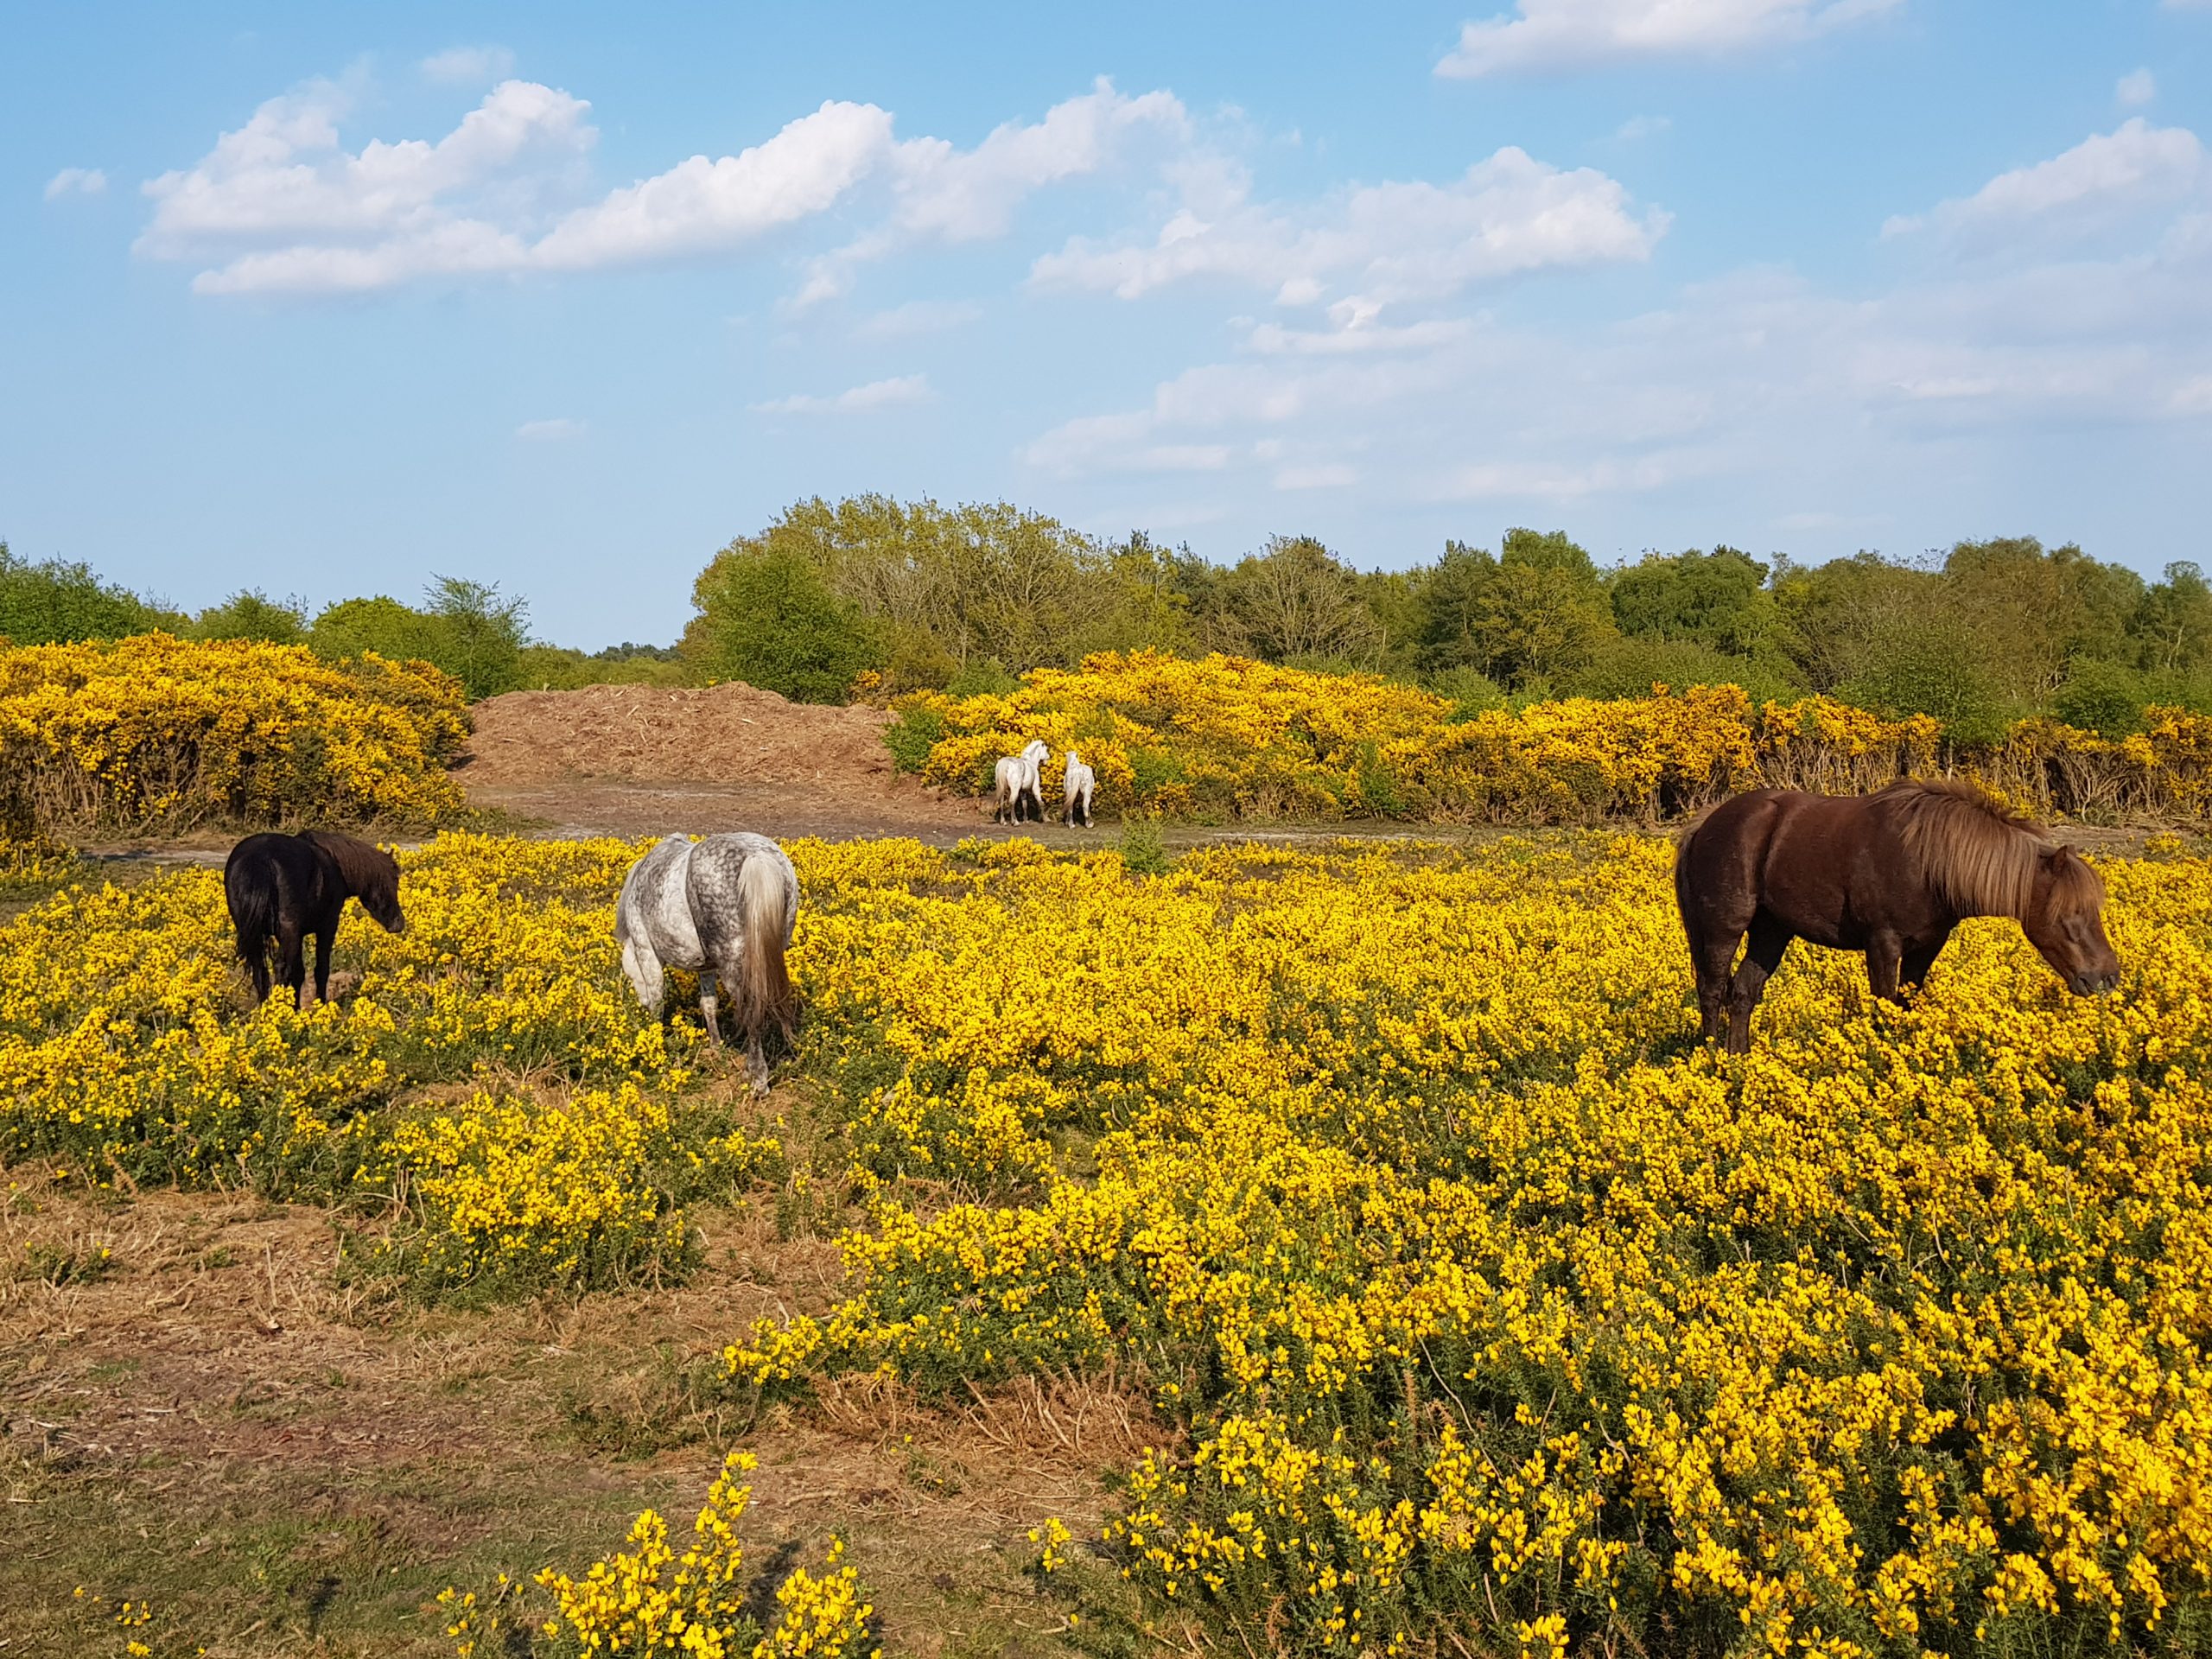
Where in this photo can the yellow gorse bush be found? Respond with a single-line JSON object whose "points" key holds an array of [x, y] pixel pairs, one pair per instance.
{"points": [[649, 1597], [1490, 1299], [491, 1073], [1226, 733], [154, 734]]}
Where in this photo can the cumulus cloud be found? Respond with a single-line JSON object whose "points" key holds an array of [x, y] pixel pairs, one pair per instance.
{"points": [[280, 205], [1555, 34], [1377, 244], [549, 431], [468, 66], [942, 193], [905, 388], [2136, 90], [76, 181], [2104, 177]]}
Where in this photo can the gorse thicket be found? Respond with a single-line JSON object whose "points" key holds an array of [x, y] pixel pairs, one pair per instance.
{"points": [[1228, 736]]}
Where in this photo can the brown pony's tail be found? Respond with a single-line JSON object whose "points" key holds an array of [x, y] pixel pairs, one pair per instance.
{"points": [[767, 985]]}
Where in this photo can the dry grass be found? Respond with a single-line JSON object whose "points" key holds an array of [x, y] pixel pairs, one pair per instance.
{"points": [[208, 1418]]}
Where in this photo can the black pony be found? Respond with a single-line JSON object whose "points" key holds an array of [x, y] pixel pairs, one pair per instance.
{"points": [[288, 887]]}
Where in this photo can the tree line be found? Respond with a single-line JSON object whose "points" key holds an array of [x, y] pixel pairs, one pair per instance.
{"points": [[896, 596], [966, 598]]}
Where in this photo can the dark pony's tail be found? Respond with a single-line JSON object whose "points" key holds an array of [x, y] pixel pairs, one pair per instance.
{"points": [[250, 890]]}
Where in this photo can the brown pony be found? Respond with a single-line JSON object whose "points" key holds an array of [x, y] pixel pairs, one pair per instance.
{"points": [[1889, 873]]}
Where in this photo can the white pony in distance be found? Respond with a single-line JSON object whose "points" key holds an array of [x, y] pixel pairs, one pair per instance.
{"points": [[1019, 782], [725, 908], [1075, 790]]}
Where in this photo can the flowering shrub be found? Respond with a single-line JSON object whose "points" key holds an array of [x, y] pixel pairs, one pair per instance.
{"points": [[649, 1598], [1226, 735], [153, 734], [491, 1071], [1494, 1303]]}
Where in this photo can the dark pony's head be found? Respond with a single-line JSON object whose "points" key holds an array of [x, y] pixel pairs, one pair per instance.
{"points": [[371, 874], [1986, 861]]}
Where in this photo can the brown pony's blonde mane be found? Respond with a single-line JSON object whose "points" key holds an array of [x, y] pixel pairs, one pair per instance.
{"points": [[369, 871], [1977, 853]]}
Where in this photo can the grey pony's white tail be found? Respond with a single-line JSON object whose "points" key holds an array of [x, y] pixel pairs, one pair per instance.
{"points": [[766, 988]]}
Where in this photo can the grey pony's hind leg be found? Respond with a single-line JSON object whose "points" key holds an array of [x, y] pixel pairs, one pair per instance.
{"points": [[709, 982]]}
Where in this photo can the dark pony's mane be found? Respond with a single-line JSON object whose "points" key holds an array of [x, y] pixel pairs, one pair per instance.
{"points": [[370, 872], [1981, 856]]}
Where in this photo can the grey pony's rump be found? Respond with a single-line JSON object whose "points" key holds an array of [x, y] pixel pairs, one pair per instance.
{"points": [[766, 986]]}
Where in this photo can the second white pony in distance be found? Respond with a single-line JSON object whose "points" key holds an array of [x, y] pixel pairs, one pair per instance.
{"points": [[1075, 790], [725, 908], [1019, 780]]}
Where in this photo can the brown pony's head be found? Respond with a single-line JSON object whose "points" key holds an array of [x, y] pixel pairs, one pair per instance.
{"points": [[2064, 919], [371, 873]]}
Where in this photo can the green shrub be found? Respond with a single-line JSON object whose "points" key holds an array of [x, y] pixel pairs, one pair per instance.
{"points": [[911, 735], [1143, 850], [767, 617]]}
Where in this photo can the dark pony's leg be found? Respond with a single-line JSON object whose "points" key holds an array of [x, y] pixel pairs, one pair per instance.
{"points": [[1711, 957], [291, 961], [323, 935], [256, 955], [1884, 960], [1762, 956]]}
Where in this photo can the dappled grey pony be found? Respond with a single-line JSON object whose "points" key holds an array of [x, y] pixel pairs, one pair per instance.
{"points": [[724, 908]]}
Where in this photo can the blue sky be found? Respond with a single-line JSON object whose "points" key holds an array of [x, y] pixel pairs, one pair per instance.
{"points": [[324, 300]]}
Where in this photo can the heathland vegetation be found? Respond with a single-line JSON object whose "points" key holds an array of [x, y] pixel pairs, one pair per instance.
{"points": [[871, 596]]}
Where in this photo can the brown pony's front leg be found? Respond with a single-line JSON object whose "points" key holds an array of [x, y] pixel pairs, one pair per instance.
{"points": [[1884, 962], [1919, 960], [1762, 956]]}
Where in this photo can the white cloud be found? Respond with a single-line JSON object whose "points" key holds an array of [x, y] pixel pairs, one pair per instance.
{"points": [[906, 389], [946, 194], [281, 206], [2106, 177], [2136, 90], [549, 431], [468, 66], [76, 181], [918, 317], [1379, 244], [1551, 35]]}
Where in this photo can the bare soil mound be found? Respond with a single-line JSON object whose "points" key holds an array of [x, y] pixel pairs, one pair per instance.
{"points": [[639, 760], [728, 734]]}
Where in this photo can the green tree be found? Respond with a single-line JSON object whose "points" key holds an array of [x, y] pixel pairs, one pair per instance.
{"points": [[52, 602], [1533, 613], [1296, 599], [479, 635], [2171, 629], [1717, 599], [767, 616], [380, 624], [252, 614]]}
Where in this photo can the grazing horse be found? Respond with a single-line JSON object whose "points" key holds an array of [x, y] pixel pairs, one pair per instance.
{"points": [[288, 887], [1018, 779], [1889, 873], [724, 907], [1077, 790]]}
